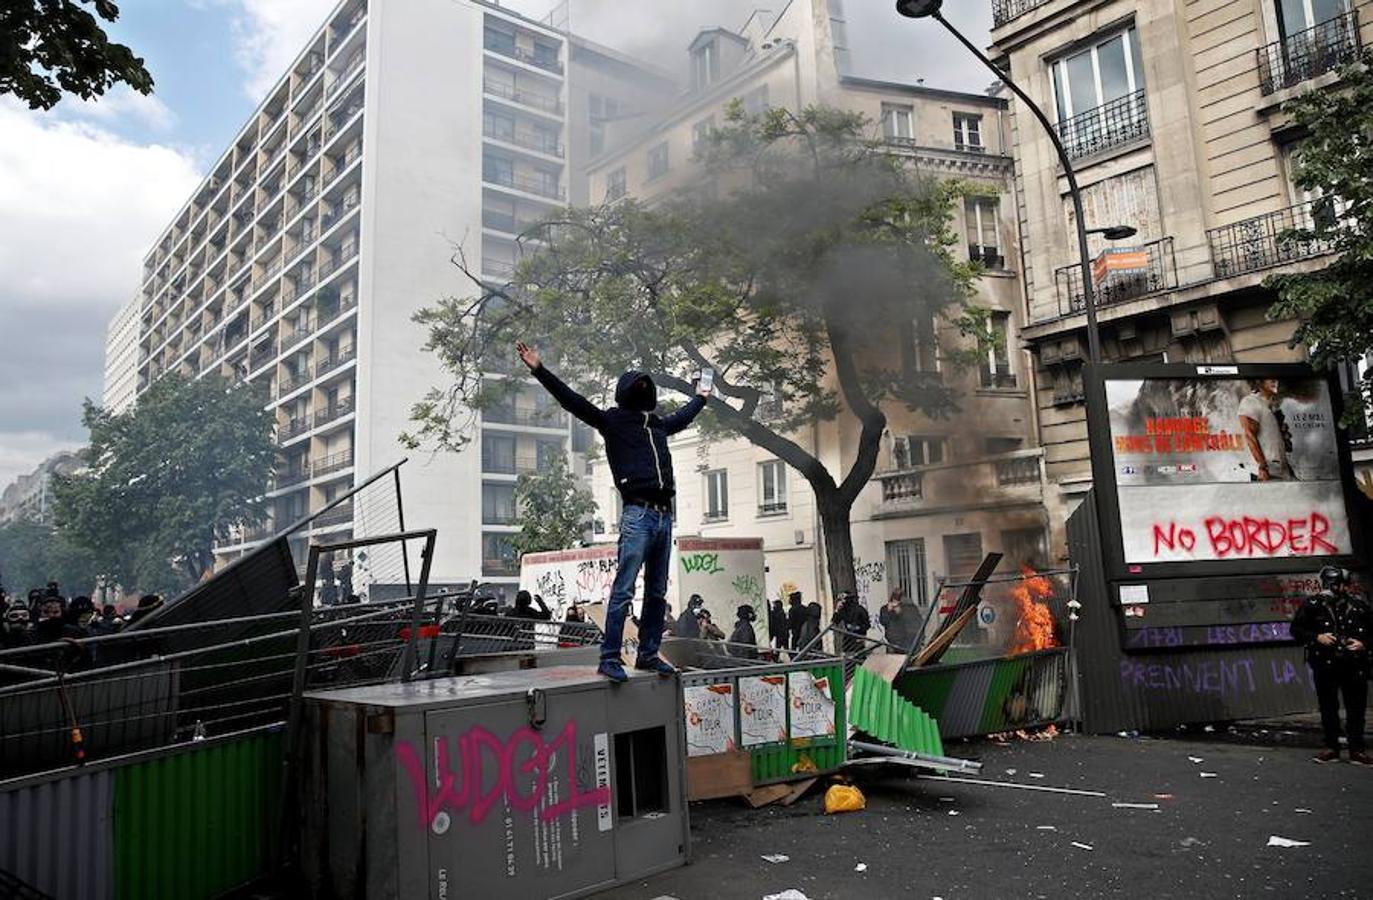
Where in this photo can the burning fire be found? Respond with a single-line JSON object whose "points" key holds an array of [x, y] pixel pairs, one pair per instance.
{"points": [[1034, 626]]}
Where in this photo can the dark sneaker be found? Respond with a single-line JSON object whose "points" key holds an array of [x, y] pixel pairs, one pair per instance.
{"points": [[1359, 758], [1326, 756], [656, 664], [612, 669]]}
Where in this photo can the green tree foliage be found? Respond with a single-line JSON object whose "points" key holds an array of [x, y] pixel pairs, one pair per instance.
{"points": [[51, 46], [554, 509], [794, 269], [32, 554], [167, 478], [1334, 304]]}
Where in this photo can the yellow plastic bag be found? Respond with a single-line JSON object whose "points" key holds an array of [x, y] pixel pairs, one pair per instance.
{"points": [[841, 798], [804, 765]]}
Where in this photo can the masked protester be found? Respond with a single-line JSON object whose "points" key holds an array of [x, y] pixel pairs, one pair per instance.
{"points": [[743, 642], [689, 625], [810, 627], [14, 631], [853, 620], [637, 450], [777, 625], [796, 619], [894, 617], [80, 614], [1335, 625], [524, 608]]}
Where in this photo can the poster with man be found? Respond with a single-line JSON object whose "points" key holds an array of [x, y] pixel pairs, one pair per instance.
{"points": [[1226, 469]]}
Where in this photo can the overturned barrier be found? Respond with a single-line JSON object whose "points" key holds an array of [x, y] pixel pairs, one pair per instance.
{"points": [[988, 696]]}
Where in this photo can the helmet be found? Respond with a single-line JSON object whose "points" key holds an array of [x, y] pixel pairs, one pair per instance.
{"points": [[1332, 577], [746, 612]]}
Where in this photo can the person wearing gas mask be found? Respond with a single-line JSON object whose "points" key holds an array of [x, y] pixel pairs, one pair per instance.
{"points": [[1336, 625], [743, 642], [637, 451], [689, 625]]}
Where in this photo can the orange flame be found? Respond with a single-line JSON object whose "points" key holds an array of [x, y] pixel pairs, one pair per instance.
{"points": [[1034, 626]]}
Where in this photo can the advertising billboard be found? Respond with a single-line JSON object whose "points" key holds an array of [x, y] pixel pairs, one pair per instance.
{"points": [[1219, 465]]}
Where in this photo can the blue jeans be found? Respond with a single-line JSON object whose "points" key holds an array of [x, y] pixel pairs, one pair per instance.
{"points": [[645, 542]]}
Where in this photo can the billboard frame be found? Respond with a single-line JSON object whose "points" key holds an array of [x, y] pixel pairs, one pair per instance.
{"points": [[1102, 450]]}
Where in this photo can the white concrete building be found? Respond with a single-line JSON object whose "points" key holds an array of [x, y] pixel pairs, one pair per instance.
{"points": [[405, 128], [121, 359], [29, 497]]}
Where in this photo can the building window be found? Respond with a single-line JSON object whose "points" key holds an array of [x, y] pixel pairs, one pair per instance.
{"points": [[498, 555], [700, 135], [898, 123], [984, 241], [717, 496], [498, 454], [599, 111], [967, 132], [962, 553], [906, 570], [498, 504], [756, 101], [705, 65], [1099, 95], [772, 487], [996, 446], [769, 404], [920, 345], [911, 450], [657, 161], [615, 184], [498, 170], [996, 352], [498, 125]]}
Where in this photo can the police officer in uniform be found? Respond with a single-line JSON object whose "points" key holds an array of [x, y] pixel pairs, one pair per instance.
{"points": [[1336, 626]]}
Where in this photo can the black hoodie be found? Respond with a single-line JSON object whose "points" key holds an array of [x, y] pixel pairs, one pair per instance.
{"points": [[635, 436]]}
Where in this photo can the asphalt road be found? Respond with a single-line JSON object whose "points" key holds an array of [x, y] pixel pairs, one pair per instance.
{"points": [[931, 839]]}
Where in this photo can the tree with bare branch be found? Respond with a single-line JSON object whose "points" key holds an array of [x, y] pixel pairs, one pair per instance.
{"points": [[796, 269]]}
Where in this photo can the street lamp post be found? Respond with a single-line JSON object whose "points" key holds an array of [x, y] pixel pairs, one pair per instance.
{"points": [[920, 9]]}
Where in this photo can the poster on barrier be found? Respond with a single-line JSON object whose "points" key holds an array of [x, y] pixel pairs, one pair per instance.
{"points": [[812, 706], [762, 709], [709, 712]]}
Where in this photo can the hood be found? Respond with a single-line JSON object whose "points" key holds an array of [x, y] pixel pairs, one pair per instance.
{"points": [[640, 400]]}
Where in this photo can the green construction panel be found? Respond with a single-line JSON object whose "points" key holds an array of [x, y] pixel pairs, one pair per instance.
{"points": [[773, 762], [1004, 676], [928, 690], [196, 824]]}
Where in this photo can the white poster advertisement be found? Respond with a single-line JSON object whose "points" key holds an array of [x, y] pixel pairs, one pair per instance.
{"points": [[1226, 469], [709, 718], [762, 709], [812, 706]]}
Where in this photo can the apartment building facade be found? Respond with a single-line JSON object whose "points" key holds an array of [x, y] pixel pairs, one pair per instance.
{"points": [[30, 497], [404, 130], [120, 385], [1172, 114], [945, 491]]}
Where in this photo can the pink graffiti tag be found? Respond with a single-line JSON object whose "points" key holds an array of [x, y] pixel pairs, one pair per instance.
{"points": [[462, 788]]}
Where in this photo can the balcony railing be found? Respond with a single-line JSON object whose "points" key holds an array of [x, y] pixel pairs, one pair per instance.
{"points": [[514, 51], [294, 428], [288, 478], [537, 418], [527, 98], [332, 413], [532, 140], [336, 516], [502, 267], [329, 363], [1151, 268], [1013, 477], [1302, 56], [775, 508], [1122, 121], [990, 257], [1266, 241], [336, 462], [529, 185], [1004, 11]]}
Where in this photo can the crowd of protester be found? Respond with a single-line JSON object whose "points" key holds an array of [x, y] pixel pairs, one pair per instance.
{"points": [[47, 615]]}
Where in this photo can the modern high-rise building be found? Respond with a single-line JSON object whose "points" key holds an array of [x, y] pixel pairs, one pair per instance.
{"points": [[121, 359], [404, 130]]}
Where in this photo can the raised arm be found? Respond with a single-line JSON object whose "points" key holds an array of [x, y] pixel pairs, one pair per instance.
{"points": [[567, 398]]}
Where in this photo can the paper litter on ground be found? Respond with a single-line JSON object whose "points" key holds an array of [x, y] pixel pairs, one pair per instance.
{"points": [[1046, 828], [1208, 774], [861, 867], [1135, 805], [1036, 774], [1011, 771], [776, 857], [1300, 810], [1275, 841], [953, 812], [1082, 846], [788, 894], [1195, 759]]}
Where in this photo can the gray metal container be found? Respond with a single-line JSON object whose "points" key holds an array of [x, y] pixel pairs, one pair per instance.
{"points": [[539, 783]]}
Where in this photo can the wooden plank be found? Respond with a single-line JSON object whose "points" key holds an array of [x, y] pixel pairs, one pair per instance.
{"points": [[767, 794], [719, 775], [797, 790]]}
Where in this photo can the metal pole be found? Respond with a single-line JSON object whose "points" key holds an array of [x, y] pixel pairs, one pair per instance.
{"points": [[1088, 294], [408, 664], [400, 522]]}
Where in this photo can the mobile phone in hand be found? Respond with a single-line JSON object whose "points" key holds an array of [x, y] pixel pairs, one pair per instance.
{"points": [[707, 380]]}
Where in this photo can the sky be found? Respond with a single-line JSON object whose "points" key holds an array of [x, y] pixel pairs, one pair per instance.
{"points": [[87, 187]]}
